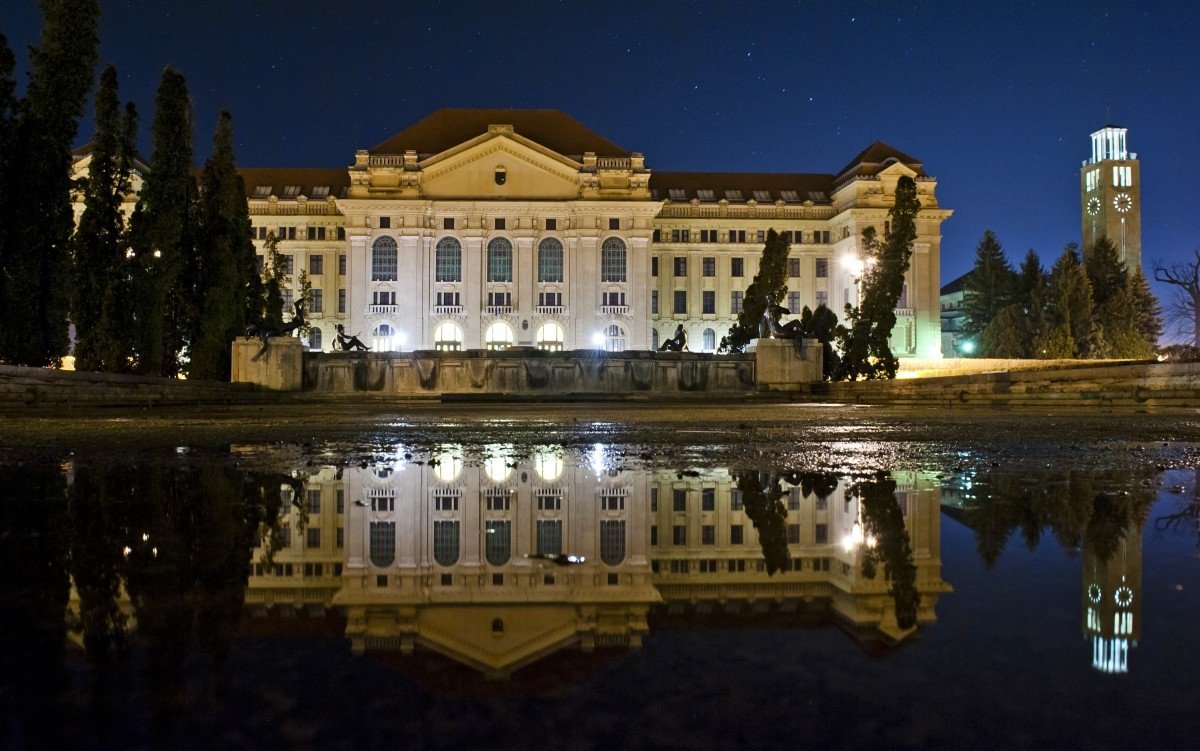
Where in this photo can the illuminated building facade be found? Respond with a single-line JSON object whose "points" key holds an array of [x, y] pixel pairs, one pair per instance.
{"points": [[493, 228]]}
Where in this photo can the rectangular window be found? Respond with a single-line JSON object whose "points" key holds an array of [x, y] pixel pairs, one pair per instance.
{"points": [[653, 534], [287, 299], [499, 299], [680, 307], [448, 222], [902, 301], [498, 500], [613, 299], [653, 302], [793, 534], [822, 298], [735, 534], [385, 222], [499, 222], [708, 534], [680, 263], [793, 303], [291, 233], [316, 265], [447, 262], [287, 262], [341, 233], [447, 299], [708, 301], [654, 266], [708, 499], [552, 224], [822, 268], [341, 501], [258, 263], [737, 235], [612, 262], [735, 301], [612, 502], [824, 236], [314, 501], [384, 261], [314, 538], [654, 500], [614, 223], [342, 265], [312, 233], [550, 299], [316, 298], [794, 267], [341, 301], [679, 535], [341, 540], [445, 502], [822, 534], [760, 236], [708, 235], [735, 267], [549, 503], [674, 235], [679, 499], [549, 537], [709, 266], [383, 503], [735, 500]]}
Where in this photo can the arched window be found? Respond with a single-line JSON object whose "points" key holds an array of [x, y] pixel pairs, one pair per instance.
{"points": [[498, 545], [612, 542], [550, 261], [445, 543], [654, 339], [447, 337], [448, 263], [614, 338], [384, 260], [499, 260], [710, 340], [498, 336], [550, 336], [383, 338], [314, 339], [612, 260], [383, 543]]}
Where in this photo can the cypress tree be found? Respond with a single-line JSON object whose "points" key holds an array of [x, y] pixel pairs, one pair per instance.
{"points": [[1006, 336], [768, 287], [162, 234], [989, 288], [225, 260], [1031, 296], [1070, 304], [866, 344], [36, 258], [100, 238], [8, 128]]}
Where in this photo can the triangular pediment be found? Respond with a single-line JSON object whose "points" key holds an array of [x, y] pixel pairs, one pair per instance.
{"points": [[530, 171], [497, 638]]}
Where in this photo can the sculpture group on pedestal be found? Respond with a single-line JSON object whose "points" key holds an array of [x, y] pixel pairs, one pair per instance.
{"points": [[264, 333]]}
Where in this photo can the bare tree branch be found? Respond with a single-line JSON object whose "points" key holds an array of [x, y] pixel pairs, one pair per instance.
{"points": [[1184, 311]]}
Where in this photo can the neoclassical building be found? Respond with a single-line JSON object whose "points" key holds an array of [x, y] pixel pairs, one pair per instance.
{"points": [[489, 228]]}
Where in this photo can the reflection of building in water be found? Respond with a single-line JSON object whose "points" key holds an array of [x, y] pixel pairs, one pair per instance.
{"points": [[1112, 601], [447, 556]]}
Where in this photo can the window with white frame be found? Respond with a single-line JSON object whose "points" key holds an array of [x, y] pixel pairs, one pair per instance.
{"points": [[550, 260], [383, 338], [612, 542], [710, 340], [499, 260], [614, 338], [384, 259], [612, 260], [445, 542], [498, 541], [448, 261]]}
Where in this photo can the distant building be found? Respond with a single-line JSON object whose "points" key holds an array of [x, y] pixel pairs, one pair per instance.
{"points": [[1110, 184], [953, 317]]}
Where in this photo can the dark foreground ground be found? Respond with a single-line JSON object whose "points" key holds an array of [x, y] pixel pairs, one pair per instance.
{"points": [[805, 436]]}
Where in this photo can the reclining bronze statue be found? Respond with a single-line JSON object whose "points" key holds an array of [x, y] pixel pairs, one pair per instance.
{"points": [[264, 333], [348, 343], [677, 343]]}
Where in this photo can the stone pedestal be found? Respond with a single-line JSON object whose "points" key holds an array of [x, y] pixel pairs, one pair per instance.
{"points": [[779, 365], [280, 368]]}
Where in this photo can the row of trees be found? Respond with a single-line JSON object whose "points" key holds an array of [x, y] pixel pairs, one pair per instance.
{"points": [[163, 291], [864, 340], [1089, 307]]}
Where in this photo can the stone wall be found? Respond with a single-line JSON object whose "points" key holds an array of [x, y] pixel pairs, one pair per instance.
{"points": [[1108, 385], [529, 372], [21, 388]]}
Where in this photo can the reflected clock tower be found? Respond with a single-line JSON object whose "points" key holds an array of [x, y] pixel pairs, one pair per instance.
{"points": [[1110, 195], [1112, 601]]}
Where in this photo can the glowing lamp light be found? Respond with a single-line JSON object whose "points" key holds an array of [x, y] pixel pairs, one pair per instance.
{"points": [[598, 339], [549, 464], [968, 347]]}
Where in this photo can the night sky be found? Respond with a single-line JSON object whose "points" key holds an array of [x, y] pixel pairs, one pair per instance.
{"points": [[996, 98]]}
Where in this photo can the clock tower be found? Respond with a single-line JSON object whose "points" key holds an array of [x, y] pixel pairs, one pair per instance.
{"points": [[1110, 195]]}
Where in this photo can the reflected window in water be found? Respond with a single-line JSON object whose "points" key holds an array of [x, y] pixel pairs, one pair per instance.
{"points": [[383, 543], [612, 542], [445, 543], [498, 545], [549, 537]]}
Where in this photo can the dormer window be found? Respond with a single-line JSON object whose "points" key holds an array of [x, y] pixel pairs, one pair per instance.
{"points": [[319, 191], [501, 176], [262, 191], [790, 196], [677, 194], [817, 196], [291, 191], [762, 196], [733, 195], [705, 195]]}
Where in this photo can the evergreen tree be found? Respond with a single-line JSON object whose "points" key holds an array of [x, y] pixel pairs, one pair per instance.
{"points": [[822, 324], [1105, 271], [37, 212], [989, 287], [225, 260], [1070, 303], [8, 130], [866, 349], [768, 287], [1031, 296], [1054, 342], [100, 238], [162, 234], [1006, 336], [1146, 310], [1122, 338]]}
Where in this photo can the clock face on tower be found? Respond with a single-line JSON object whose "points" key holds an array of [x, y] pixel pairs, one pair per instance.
{"points": [[1093, 206], [1122, 202]]}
